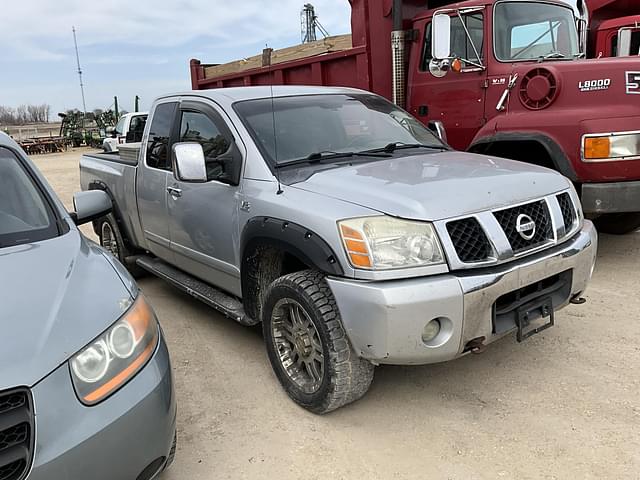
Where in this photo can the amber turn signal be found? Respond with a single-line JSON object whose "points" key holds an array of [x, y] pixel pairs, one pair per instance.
{"points": [[597, 148]]}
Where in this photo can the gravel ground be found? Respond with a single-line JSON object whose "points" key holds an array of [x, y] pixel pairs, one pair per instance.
{"points": [[563, 405]]}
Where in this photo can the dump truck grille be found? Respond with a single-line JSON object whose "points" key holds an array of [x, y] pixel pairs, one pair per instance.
{"points": [[16, 434], [469, 240], [536, 212]]}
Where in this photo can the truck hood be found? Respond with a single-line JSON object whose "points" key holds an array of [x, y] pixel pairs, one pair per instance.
{"points": [[435, 186], [56, 296], [589, 89]]}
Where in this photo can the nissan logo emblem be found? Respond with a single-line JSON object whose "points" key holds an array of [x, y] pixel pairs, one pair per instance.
{"points": [[525, 226]]}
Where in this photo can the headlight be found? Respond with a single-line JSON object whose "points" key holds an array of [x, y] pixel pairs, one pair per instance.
{"points": [[113, 358], [615, 146], [383, 243]]}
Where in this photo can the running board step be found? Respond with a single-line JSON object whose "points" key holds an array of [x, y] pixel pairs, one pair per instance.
{"points": [[226, 304]]}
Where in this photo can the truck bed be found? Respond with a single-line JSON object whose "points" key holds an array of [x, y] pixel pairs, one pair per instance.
{"points": [[116, 173]]}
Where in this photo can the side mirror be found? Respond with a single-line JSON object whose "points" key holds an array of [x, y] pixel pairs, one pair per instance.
{"points": [[189, 163], [437, 127], [441, 36], [90, 206]]}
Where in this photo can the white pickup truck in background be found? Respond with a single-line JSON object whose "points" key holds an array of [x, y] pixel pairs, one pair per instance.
{"points": [[129, 129]]}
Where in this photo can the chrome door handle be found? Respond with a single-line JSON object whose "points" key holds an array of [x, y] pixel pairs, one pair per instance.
{"points": [[174, 192]]}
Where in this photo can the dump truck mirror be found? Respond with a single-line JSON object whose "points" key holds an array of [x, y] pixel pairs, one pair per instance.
{"points": [[190, 165], [441, 36]]}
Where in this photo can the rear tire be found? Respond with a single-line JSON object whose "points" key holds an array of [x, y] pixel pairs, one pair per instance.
{"points": [[618, 223], [111, 239], [307, 345]]}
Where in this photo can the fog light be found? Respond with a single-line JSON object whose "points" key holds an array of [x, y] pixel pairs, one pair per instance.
{"points": [[431, 330]]}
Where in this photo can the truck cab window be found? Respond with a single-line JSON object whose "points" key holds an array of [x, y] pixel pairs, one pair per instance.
{"points": [[461, 44], [159, 136], [529, 31], [136, 128], [198, 127]]}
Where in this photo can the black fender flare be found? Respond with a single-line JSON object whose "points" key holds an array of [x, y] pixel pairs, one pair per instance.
{"points": [[100, 185], [292, 238], [287, 237], [557, 155]]}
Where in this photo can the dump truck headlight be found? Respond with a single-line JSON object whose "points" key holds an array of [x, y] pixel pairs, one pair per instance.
{"points": [[611, 147]]}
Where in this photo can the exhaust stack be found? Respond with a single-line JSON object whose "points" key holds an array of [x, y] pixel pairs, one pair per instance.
{"points": [[398, 57]]}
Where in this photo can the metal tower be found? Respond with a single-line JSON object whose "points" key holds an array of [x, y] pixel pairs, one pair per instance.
{"points": [[84, 105], [309, 24]]}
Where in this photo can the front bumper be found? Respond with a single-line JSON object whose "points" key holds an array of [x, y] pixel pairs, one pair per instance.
{"points": [[619, 197], [385, 320], [114, 440]]}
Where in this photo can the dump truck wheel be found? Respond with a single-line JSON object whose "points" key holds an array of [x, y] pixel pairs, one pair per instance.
{"points": [[307, 345]]}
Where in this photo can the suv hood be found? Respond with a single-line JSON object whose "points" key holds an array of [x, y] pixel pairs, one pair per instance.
{"points": [[55, 296], [436, 186]]}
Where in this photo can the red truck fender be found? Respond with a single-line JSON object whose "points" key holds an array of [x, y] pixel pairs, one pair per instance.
{"points": [[541, 148]]}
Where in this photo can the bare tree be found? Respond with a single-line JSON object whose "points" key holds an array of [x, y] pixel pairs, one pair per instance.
{"points": [[25, 114]]}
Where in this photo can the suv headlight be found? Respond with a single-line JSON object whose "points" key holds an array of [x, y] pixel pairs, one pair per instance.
{"points": [[112, 359], [384, 243], [610, 147]]}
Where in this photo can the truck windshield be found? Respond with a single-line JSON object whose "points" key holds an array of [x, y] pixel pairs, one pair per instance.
{"points": [[25, 216], [528, 31], [297, 127]]}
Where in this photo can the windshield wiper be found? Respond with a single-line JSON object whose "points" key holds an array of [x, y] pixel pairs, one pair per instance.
{"points": [[319, 157], [550, 56], [392, 147]]}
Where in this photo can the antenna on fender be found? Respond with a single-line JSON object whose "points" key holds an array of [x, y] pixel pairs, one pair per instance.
{"points": [[266, 60]]}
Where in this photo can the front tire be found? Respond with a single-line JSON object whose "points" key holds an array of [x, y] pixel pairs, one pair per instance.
{"points": [[618, 223], [111, 239], [307, 345]]}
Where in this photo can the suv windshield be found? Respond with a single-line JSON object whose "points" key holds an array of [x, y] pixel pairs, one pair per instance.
{"points": [[311, 125], [25, 216], [529, 31]]}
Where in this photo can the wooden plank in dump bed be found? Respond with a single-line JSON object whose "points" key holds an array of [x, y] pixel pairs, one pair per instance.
{"points": [[311, 49]]}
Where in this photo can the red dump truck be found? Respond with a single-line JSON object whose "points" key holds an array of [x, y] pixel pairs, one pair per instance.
{"points": [[614, 28], [504, 77]]}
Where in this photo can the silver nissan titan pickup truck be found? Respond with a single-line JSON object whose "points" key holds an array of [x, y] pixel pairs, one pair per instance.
{"points": [[350, 230]]}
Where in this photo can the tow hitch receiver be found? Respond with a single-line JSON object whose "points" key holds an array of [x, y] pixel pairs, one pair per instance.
{"points": [[538, 312]]}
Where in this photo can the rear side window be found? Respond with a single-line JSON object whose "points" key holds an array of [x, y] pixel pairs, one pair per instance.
{"points": [[25, 215], [158, 143]]}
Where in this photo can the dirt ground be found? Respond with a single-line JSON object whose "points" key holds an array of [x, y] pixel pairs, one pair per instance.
{"points": [[563, 405]]}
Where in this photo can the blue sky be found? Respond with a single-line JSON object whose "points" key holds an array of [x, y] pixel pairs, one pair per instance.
{"points": [[136, 48]]}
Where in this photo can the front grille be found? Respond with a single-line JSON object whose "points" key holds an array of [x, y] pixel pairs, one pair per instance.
{"points": [[539, 214], [469, 240], [568, 212], [16, 434]]}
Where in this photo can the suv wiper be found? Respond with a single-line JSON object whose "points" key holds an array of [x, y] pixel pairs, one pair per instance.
{"points": [[319, 157], [392, 147]]}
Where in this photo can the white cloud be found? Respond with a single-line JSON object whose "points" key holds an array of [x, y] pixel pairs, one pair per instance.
{"points": [[41, 29]]}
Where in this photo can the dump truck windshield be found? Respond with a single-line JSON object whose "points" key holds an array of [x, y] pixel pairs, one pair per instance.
{"points": [[528, 31]]}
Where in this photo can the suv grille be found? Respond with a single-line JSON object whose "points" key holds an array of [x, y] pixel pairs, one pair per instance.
{"points": [[539, 213], [568, 212], [16, 434], [469, 240]]}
